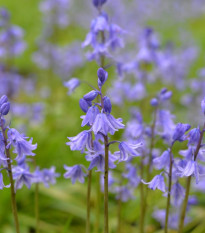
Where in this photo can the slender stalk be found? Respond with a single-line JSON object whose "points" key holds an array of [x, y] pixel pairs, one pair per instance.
{"points": [[119, 215], [144, 192], [13, 195], [37, 206], [142, 201], [188, 184], [88, 202], [97, 209], [169, 191], [106, 227]]}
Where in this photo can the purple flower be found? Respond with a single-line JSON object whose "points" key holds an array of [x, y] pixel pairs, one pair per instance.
{"points": [[127, 150], [179, 132], [22, 176], [81, 141], [72, 84], [20, 144], [102, 77], [165, 94], [154, 102], [193, 136], [162, 161], [98, 3], [90, 96], [103, 125], [90, 116], [124, 193], [74, 173], [156, 183], [3, 100], [191, 168], [84, 105], [4, 109], [2, 183], [203, 105], [178, 194], [48, 176], [107, 104]]}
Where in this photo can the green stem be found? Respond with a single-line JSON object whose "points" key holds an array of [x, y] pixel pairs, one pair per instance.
{"points": [[119, 215], [13, 195], [169, 191], [142, 201], [37, 207], [88, 202], [106, 227], [188, 184], [146, 191], [97, 209]]}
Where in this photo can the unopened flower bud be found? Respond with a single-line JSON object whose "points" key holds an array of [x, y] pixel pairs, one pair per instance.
{"points": [[4, 109], [102, 76], [107, 104]]}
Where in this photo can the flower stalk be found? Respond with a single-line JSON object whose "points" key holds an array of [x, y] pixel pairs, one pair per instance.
{"points": [[13, 195], [88, 202], [188, 184]]}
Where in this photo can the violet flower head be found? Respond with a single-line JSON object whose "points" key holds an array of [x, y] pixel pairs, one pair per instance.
{"points": [[22, 176], [90, 96], [156, 183], [4, 105], [48, 176], [98, 3], [127, 150], [84, 105], [72, 84], [106, 124], [162, 161], [81, 141], [179, 132], [102, 76], [90, 116], [203, 106], [178, 194], [154, 102], [75, 173], [107, 104], [2, 185], [165, 94], [20, 144], [191, 168], [193, 136]]}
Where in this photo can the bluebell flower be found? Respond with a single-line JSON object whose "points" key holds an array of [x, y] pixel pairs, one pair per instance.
{"points": [[90, 116], [83, 105], [72, 84], [188, 153], [156, 183], [124, 193], [98, 3], [102, 76], [103, 125], [165, 94], [203, 106], [2, 185], [20, 144], [75, 173], [154, 102], [100, 23], [193, 136], [116, 123], [48, 176], [22, 176], [127, 150], [178, 194], [190, 169], [107, 104], [131, 175], [3, 100], [4, 109], [90, 96], [81, 141], [179, 132], [162, 161]]}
